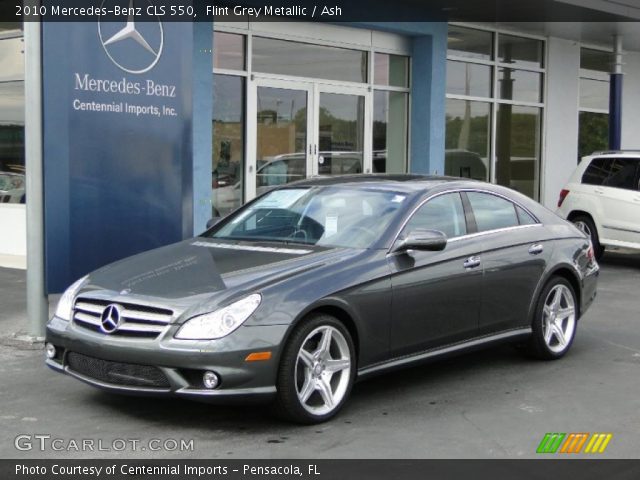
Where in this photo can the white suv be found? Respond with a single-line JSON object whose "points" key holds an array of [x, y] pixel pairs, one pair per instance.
{"points": [[602, 199]]}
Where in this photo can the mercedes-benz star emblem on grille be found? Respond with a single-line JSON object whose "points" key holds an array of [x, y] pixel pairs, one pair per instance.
{"points": [[150, 41], [110, 318]]}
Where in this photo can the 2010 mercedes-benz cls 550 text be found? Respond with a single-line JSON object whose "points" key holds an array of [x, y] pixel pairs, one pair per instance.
{"points": [[311, 286]]}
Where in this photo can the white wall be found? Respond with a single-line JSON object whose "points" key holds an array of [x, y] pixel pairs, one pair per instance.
{"points": [[631, 101], [13, 230], [561, 118]]}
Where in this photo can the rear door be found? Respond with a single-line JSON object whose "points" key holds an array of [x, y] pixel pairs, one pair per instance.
{"points": [[436, 295], [620, 202], [514, 255]]}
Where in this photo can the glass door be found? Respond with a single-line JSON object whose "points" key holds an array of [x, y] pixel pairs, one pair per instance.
{"points": [[343, 133], [299, 129], [280, 134]]}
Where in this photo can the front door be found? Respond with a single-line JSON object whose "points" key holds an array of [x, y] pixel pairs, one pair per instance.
{"points": [[298, 129], [436, 295]]}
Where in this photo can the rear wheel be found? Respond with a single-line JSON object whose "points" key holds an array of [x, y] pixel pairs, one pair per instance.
{"points": [[586, 225], [317, 371], [555, 321]]}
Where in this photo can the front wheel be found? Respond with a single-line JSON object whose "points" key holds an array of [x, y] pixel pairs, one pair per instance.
{"points": [[317, 371], [555, 321]]}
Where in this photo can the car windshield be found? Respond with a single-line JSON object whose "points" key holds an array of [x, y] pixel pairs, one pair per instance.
{"points": [[325, 216]]}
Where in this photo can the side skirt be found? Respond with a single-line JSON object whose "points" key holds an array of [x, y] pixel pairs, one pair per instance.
{"points": [[447, 350]]}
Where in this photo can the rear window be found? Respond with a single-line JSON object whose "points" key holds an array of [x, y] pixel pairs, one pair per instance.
{"points": [[492, 212], [597, 171], [613, 172]]}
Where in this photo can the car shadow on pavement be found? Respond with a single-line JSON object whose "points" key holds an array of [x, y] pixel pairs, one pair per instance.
{"points": [[379, 393]]}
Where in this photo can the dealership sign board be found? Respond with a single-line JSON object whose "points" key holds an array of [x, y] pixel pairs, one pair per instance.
{"points": [[117, 107]]}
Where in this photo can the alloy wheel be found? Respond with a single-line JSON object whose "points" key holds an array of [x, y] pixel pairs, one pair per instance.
{"points": [[583, 227], [323, 370], [558, 318]]}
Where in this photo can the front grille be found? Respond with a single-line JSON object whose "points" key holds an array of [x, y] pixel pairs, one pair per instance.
{"points": [[136, 320], [117, 373]]}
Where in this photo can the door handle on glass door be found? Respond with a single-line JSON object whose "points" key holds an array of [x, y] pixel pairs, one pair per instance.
{"points": [[471, 262], [536, 248]]}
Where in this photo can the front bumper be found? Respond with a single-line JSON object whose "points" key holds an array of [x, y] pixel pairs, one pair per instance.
{"points": [[181, 362]]}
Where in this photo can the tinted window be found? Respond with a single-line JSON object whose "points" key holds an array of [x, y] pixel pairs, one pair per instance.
{"points": [[597, 171], [623, 173], [492, 212], [444, 213]]}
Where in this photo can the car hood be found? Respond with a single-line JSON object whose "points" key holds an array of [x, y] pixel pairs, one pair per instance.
{"points": [[202, 271]]}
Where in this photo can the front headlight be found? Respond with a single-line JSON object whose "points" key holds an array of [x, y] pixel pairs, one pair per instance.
{"points": [[220, 323], [65, 305]]}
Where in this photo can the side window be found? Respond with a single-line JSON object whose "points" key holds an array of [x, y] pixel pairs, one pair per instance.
{"points": [[492, 212], [597, 172], [444, 213], [524, 217], [623, 174]]}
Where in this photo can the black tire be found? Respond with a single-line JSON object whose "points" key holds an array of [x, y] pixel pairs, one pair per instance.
{"points": [[292, 371], [538, 346], [586, 225]]}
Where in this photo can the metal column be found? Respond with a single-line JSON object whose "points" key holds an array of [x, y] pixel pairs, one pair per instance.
{"points": [[37, 302]]}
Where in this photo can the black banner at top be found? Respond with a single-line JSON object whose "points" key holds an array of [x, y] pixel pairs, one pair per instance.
{"points": [[318, 10]]}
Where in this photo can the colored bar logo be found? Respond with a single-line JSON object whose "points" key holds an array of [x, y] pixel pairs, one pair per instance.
{"points": [[574, 443]]}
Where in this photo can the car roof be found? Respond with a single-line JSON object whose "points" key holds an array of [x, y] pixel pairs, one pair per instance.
{"points": [[407, 183], [618, 153]]}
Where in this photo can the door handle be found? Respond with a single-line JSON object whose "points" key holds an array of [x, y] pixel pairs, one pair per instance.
{"points": [[471, 262], [536, 249], [599, 191]]}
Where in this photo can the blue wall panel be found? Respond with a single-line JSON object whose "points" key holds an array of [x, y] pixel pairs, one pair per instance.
{"points": [[118, 180]]}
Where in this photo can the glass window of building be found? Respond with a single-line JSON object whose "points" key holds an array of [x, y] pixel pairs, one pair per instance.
{"points": [[495, 101], [228, 51], [470, 43], [470, 79], [228, 143], [390, 113], [229, 125], [292, 104], [467, 139], [520, 51], [593, 120], [12, 154], [272, 55], [391, 70]]}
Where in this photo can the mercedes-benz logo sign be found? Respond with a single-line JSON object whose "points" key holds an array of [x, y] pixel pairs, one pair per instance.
{"points": [[110, 318], [134, 48]]}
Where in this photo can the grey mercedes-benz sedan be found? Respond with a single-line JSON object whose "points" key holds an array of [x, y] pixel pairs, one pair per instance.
{"points": [[313, 285]]}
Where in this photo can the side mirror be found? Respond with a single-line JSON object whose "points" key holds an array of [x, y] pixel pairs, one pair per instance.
{"points": [[213, 221], [422, 239]]}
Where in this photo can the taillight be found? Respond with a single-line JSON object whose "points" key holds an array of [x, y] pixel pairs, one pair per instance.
{"points": [[563, 195]]}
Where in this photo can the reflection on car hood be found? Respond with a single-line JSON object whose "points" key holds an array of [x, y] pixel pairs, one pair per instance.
{"points": [[189, 272]]}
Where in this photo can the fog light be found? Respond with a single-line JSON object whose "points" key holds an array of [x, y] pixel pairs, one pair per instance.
{"points": [[210, 380], [50, 350]]}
